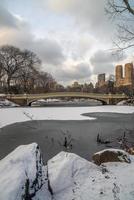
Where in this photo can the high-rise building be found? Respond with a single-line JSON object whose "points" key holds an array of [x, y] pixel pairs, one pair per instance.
{"points": [[129, 74], [118, 74], [127, 79], [101, 80]]}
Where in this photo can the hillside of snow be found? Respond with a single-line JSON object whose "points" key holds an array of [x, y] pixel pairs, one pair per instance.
{"points": [[55, 113], [65, 177]]}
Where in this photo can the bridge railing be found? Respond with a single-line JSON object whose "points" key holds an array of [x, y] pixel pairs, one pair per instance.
{"points": [[71, 94]]}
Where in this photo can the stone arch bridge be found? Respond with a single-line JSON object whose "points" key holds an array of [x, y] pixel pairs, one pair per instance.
{"points": [[106, 99]]}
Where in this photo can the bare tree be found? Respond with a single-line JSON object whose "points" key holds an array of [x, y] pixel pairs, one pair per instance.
{"points": [[45, 81], [11, 60], [22, 67], [29, 70], [18, 66], [1, 72], [122, 11], [1, 76]]}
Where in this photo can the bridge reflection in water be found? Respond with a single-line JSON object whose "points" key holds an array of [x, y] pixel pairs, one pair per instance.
{"points": [[106, 99]]}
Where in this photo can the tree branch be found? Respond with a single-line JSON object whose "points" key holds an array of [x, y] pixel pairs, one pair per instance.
{"points": [[128, 6]]}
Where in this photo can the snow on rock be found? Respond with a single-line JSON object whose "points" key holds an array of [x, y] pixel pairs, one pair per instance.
{"points": [[129, 102], [23, 176], [67, 173], [111, 155], [72, 177], [66, 177]]}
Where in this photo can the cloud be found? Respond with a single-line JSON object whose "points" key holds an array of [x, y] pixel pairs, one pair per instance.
{"points": [[74, 72], [82, 46], [49, 50], [6, 18], [88, 15], [104, 61]]}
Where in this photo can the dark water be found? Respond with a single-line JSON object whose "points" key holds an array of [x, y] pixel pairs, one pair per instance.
{"points": [[74, 136], [67, 104]]}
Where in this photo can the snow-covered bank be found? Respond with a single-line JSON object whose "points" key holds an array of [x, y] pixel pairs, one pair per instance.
{"points": [[129, 102], [6, 103], [66, 176], [13, 115]]}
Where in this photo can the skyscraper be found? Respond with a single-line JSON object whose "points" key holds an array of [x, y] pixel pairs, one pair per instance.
{"points": [[101, 80], [129, 74], [127, 79], [118, 74]]}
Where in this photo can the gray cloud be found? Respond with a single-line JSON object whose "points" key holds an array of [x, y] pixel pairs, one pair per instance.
{"points": [[75, 72], [49, 50], [104, 61], [88, 14], [16, 31], [6, 18]]}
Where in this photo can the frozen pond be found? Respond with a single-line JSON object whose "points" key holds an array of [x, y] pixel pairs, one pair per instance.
{"points": [[53, 127]]}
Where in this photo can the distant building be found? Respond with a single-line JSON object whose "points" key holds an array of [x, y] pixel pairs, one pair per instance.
{"points": [[75, 84], [101, 80], [128, 78], [76, 87], [111, 78]]}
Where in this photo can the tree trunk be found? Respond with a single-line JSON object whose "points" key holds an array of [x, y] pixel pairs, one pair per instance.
{"points": [[8, 84]]}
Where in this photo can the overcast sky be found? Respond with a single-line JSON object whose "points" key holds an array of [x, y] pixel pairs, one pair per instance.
{"points": [[72, 37]]}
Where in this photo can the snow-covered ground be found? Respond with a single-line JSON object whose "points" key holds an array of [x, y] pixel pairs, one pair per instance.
{"points": [[66, 177], [7, 103], [13, 115]]}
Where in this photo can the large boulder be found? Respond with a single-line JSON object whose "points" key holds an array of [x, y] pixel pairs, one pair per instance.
{"points": [[23, 175], [111, 155], [68, 173]]}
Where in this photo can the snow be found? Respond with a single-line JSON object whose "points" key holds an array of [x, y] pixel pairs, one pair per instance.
{"points": [[7, 103], [72, 177], [66, 173], [13, 115], [112, 150], [67, 176], [16, 169]]}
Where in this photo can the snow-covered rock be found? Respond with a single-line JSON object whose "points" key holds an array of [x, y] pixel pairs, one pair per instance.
{"points": [[66, 177], [72, 177], [67, 173], [23, 176], [129, 102], [111, 155]]}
